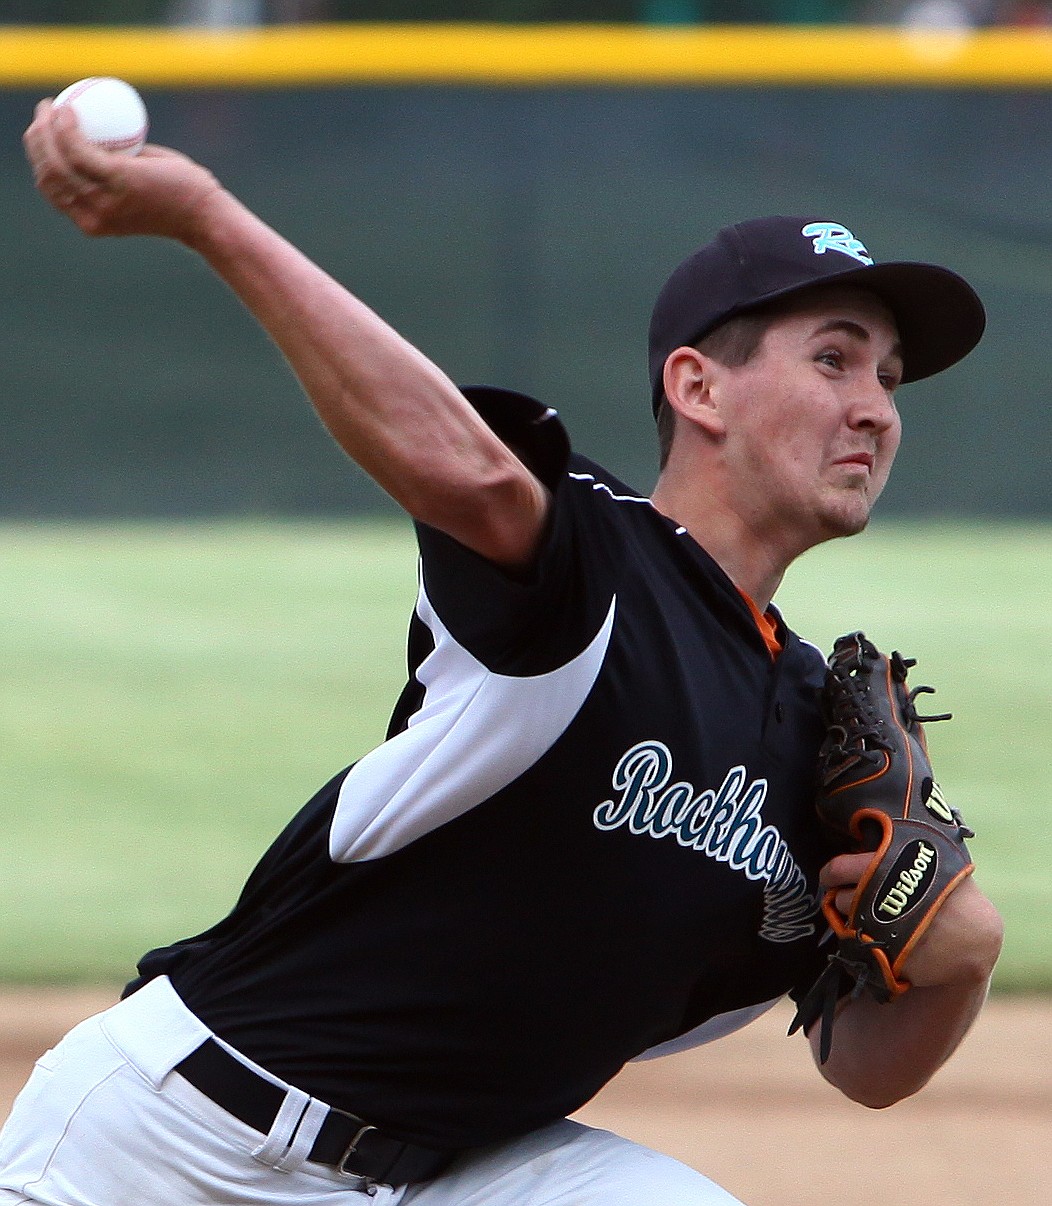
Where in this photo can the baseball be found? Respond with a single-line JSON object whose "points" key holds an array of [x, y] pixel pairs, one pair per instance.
{"points": [[111, 113]]}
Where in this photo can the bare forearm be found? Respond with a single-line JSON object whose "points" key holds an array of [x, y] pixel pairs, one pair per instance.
{"points": [[884, 1053], [387, 405]]}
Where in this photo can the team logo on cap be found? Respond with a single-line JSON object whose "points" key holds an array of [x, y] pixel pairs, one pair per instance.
{"points": [[828, 236]]}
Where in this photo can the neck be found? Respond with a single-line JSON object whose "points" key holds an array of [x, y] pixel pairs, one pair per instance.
{"points": [[752, 559]]}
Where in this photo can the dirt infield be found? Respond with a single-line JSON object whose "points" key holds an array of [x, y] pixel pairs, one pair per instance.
{"points": [[751, 1112]]}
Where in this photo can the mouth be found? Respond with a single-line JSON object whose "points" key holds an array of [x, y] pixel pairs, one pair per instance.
{"points": [[858, 460]]}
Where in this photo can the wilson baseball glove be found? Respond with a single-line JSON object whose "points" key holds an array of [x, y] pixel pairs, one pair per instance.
{"points": [[876, 792]]}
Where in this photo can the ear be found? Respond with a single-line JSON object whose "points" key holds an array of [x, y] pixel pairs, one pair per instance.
{"points": [[690, 378]]}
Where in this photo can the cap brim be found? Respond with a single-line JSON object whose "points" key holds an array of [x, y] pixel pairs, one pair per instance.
{"points": [[938, 314]]}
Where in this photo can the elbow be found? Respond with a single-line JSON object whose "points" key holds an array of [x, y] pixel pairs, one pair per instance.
{"points": [[883, 1091], [884, 1099], [501, 518]]}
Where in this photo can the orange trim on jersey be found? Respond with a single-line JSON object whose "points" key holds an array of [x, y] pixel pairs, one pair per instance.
{"points": [[766, 623]]}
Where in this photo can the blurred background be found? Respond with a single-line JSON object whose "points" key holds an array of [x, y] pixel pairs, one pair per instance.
{"points": [[255, 12]]}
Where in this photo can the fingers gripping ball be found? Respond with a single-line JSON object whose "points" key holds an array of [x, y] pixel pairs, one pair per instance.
{"points": [[110, 112], [876, 792]]}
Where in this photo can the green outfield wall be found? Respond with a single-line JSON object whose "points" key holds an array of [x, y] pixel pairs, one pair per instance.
{"points": [[511, 200]]}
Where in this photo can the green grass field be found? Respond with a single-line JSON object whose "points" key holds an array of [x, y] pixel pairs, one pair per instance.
{"points": [[172, 693]]}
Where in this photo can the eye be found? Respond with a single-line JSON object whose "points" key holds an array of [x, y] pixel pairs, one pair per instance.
{"points": [[890, 380], [831, 357]]}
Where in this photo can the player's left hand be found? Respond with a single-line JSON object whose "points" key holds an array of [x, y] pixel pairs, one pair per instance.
{"points": [[960, 946], [158, 192]]}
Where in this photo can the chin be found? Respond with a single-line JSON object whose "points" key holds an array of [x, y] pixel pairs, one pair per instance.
{"points": [[845, 521], [852, 525]]}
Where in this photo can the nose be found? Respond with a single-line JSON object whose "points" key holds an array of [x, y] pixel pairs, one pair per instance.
{"points": [[874, 409]]}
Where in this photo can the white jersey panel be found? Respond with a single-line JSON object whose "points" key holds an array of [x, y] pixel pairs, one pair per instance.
{"points": [[459, 748], [715, 1028]]}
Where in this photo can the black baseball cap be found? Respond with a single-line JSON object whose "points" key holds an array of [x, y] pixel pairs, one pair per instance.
{"points": [[939, 316]]}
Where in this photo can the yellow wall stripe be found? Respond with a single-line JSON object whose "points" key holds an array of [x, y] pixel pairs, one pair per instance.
{"points": [[48, 57]]}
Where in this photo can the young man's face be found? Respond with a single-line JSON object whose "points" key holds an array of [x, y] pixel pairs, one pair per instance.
{"points": [[812, 428]]}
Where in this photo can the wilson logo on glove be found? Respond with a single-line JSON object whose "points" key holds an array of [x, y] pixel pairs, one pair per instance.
{"points": [[910, 878]]}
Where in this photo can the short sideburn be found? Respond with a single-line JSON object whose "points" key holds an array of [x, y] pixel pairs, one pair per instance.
{"points": [[732, 343]]}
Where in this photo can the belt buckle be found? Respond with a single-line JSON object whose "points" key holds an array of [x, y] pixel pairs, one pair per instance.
{"points": [[352, 1147]]}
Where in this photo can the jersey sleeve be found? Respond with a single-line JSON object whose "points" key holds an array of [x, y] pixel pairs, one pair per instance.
{"points": [[533, 623], [499, 665]]}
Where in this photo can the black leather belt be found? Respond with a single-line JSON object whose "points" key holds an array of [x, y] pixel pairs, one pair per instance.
{"points": [[347, 1143]]}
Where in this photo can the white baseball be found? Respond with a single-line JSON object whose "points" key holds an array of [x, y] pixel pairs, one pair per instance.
{"points": [[111, 113]]}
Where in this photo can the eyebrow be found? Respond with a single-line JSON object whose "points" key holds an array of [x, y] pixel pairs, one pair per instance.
{"points": [[854, 329]]}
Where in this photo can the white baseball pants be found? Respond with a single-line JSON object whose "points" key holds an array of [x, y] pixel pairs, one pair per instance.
{"points": [[104, 1121]]}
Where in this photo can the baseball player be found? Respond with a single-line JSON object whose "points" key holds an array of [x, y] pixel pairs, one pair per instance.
{"points": [[590, 834]]}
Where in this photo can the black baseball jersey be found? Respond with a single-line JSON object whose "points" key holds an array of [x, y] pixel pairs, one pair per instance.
{"points": [[590, 831]]}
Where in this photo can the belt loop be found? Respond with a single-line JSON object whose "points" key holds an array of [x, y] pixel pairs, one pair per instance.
{"points": [[300, 1129], [273, 1149], [307, 1131]]}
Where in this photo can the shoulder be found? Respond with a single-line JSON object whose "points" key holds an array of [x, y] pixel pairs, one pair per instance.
{"points": [[588, 475], [603, 506], [811, 657], [806, 664]]}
